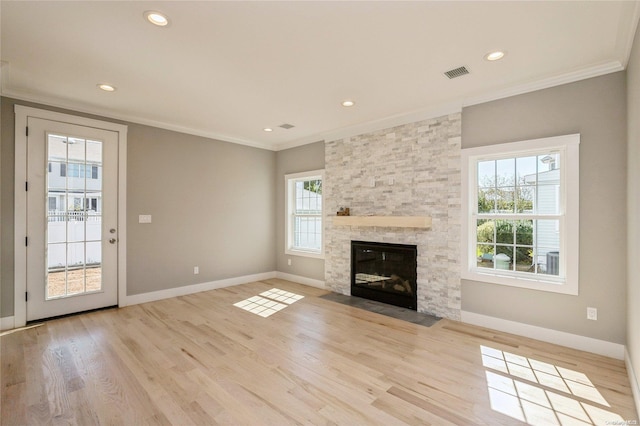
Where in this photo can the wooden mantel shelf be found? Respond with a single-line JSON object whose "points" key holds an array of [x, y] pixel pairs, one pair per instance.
{"points": [[389, 221]]}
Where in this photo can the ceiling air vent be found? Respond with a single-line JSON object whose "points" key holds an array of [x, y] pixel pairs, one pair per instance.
{"points": [[287, 126], [458, 72]]}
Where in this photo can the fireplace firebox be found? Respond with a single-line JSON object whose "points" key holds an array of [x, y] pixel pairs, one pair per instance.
{"points": [[385, 272]]}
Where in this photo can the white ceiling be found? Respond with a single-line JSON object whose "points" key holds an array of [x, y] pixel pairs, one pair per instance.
{"points": [[227, 70]]}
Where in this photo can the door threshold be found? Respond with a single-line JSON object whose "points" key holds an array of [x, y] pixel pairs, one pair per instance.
{"points": [[32, 322]]}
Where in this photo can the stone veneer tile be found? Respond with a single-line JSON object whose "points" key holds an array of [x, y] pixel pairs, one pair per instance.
{"points": [[408, 170]]}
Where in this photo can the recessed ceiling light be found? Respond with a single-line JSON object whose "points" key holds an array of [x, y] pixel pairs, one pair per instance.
{"points": [[156, 18], [268, 129], [494, 56], [106, 87], [348, 103]]}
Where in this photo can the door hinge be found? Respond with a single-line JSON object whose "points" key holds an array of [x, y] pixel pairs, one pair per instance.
{"points": [[26, 186], [26, 296], [27, 131], [26, 241]]}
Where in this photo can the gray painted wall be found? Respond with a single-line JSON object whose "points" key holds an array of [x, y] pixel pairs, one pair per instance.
{"points": [[595, 108], [212, 205], [208, 199], [294, 160], [7, 180], [633, 200]]}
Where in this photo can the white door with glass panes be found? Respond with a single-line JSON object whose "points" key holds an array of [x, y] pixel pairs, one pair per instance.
{"points": [[72, 232]]}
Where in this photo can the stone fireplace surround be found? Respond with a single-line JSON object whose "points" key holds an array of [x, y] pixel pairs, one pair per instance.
{"points": [[407, 170]]}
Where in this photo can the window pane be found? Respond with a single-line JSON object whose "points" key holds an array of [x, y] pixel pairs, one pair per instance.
{"points": [[504, 257], [484, 254], [56, 256], [524, 255], [548, 162], [486, 200], [504, 232], [505, 199], [524, 259], [548, 199], [94, 253], [75, 268], [506, 170], [75, 280], [56, 282], [94, 152], [307, 234], [548, 261], [76, 228], [486, 173], [93, 226], [57, 147], [309, 197], [524, 199], [524, 232], [486, 231], [526, 170], [76, 149], [548, 234]]}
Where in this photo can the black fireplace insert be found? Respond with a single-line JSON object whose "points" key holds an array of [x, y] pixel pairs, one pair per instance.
{"points": [[385, 272]]}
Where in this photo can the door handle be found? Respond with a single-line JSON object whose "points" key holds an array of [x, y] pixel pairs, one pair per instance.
{"points": [[112, 240]]}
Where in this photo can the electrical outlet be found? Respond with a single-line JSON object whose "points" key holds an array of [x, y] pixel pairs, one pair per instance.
{"points": [[289, 262], [144, 218], [196, 270], [592, 314]]}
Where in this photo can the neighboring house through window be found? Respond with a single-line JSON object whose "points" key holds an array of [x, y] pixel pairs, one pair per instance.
{"points": [[520, 206], [304, 230]]}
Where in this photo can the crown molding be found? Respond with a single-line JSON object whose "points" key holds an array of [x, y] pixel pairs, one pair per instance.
{"points": [[104, 113], [546, 83], [451, 108], [352, 130], [627, 44]]}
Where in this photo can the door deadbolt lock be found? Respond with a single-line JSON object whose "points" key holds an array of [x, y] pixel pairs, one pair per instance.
{"points": [[112, 230]]}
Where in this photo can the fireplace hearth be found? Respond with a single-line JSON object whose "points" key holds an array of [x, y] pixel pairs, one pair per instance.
{"points": [[384, 272]]}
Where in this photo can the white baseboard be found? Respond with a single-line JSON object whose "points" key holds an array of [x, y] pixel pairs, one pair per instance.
{"points": [[633, 379], [302, 280], [194, 288], [7, 323], [600, 347]]}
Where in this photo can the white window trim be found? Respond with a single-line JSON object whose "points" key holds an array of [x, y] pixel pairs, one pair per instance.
{"points": [[568, 145], [288, 219]]}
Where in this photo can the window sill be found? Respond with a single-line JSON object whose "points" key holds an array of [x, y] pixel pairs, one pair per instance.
{"points": [[303, 253], [533, 283]]}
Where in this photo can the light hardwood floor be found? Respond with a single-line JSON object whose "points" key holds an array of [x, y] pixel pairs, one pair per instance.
{"points": [[200, 360]]}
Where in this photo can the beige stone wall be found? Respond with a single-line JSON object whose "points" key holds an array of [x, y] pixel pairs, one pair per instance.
{"points": [[408, 170]]}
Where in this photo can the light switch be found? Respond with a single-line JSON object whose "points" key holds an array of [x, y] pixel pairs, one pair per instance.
{"points": [[144, 218]]}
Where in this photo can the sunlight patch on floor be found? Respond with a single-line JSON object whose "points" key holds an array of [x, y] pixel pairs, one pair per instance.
{"points": [[531, 402], [274, 300], [281, 296]]}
